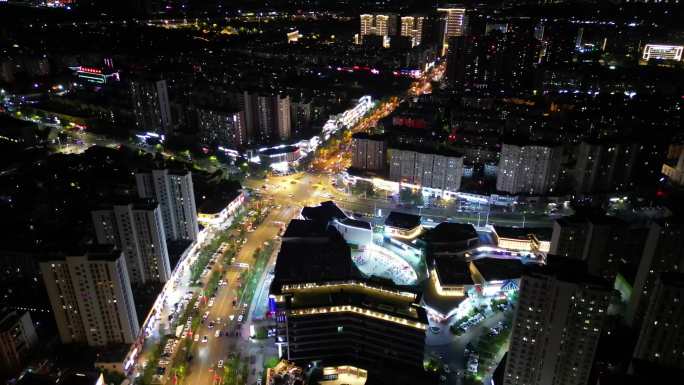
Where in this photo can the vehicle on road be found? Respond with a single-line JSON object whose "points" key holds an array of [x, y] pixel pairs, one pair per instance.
{"points": [[220, 364], [197, 337], [217, 334], [205, 339]]}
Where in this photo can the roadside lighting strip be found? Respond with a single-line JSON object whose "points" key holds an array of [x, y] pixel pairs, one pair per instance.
{"points": [[402, 234], [334, 285], [445, 292], [357, 310]]}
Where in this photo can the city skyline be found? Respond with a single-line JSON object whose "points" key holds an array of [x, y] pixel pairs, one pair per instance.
{"points": [[378, 193]]}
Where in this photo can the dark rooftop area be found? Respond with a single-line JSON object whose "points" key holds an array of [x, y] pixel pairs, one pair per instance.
{"points": [[356, 223], [302, 228], [448, 232], [452, 271], [495, 269], [402, 220], [325, 212], [542, 233], [325, 257]]}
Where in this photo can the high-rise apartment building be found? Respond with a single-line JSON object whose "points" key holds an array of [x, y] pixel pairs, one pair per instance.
{"points": [[301, 114], [222, 128], [661, 340], [382, 25], [151, 106], [412, 27], [137, 229], [663, 253], [604, 167], [556, 327], [368, 152], [267, 117], [176, 196], [454, 23], [91, 297], [438, 171], [528, 169], [599, 240], [17, 339]]}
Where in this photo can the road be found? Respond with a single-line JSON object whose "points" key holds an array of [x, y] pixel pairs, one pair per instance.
{"points": [[206, 355], [320, 188]]}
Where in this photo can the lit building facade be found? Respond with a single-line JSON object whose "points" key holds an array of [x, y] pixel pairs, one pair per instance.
{"points": [[661, 340], [151, 106], [604, 167], [137, 230], [662, 52], [222, 128], [454, 24], [556, 327], [17, 339], [435, 171], [663, 253], [267, 117], [528, 169], [91, 298], [326, 311], [598, 240], [412, 27], [383, 25], [368, 152], [176, 196]]}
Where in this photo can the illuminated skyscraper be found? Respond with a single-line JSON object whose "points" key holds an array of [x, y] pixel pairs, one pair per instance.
{"points": [[412, 27], [529, 169], [221, 127], [383, 25], [91, 297], [137, 230], [556, 326], [454, 23], [176, 196]]}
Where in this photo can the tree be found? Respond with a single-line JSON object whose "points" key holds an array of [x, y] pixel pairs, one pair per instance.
{"points": [[365, 188], [408, 196]]}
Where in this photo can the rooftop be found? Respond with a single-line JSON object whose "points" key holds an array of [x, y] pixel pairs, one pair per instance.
{"points": [[365, 135], [302, 228], [279, 150], [402, 220], [318, 256], [218, 199], [452, 271], [523, 233], [499, 269], [356, 223], [324, 212], [448, 232]]}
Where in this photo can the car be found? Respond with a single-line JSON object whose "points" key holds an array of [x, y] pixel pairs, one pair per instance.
{"points": [[211, 324], [240, 318], [205, 339], [197, 337], [217, 334], [435, 329], [219, 364], [231, 317], [211, 303], [447, 369]]}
